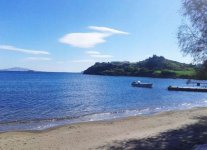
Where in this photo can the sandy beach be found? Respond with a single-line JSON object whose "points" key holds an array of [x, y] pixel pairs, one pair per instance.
{"points": [[169, 130]]}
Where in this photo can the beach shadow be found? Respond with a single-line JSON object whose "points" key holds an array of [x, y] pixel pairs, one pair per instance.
{"points": [[184, 138]]}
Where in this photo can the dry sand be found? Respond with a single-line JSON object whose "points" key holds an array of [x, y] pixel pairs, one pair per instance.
{"points": [[116, 134]]}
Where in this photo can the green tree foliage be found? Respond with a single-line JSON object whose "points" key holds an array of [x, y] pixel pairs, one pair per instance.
{"points": [[192, 36], [202, 73], [152, 67]]}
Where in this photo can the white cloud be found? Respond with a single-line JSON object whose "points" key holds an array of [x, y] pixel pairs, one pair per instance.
{"points": [[107, 30], [94, 55], [21, 50], [38, 59], [89, 39], [97, 54], [84, 40], [93, 52], [84, 61], [60, 62], [101, 56]]}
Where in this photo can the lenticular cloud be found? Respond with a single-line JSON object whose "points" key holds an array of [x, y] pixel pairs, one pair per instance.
{"points": [[89, 39]]}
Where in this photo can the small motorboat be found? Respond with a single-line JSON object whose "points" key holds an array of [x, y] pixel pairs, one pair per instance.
{"points": [[140, 84]]}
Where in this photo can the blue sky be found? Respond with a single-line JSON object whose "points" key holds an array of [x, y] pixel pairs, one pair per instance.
{"points": [[70, 35]]}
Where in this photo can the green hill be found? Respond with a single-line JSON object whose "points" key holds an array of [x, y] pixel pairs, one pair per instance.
{"points": [[156, 66]]}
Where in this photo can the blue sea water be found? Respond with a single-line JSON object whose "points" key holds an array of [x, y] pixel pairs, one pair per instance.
{"points": [[37, 100]]}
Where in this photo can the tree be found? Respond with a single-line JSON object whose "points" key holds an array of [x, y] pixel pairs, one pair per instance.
{"points": [[192, 36]]}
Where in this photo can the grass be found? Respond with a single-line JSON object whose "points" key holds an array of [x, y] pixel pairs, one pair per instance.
{"points": [[179, 73], [185, 73]]}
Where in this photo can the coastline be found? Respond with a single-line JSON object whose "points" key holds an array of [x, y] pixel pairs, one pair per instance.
{"points": [[108, 134]]}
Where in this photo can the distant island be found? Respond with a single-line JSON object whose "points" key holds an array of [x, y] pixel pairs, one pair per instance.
{"points": [[14, 69], [155, 66]]}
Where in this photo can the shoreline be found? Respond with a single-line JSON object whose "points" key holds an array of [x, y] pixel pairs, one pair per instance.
{"points": [[102, 134], [67, 122]]}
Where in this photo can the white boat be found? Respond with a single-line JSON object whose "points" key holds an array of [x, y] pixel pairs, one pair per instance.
{"points": [[140, 84]]}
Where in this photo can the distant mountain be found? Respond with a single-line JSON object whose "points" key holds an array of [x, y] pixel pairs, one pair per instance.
{"points": [[17, 69], [155, 66]]}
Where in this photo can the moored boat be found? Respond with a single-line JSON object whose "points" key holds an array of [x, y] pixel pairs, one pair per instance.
{"points": [[140, 84]]}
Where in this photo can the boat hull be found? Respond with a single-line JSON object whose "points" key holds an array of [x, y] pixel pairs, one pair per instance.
{"points": [[144, 85]]}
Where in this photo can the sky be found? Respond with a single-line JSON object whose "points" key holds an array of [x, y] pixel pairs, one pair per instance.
{"points": [[71, 35]]}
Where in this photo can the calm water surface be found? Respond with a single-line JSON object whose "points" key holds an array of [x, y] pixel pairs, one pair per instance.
{"points": [[37, 101]]}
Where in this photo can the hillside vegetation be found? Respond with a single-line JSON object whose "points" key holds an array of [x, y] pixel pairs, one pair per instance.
{"points": [[156, 66]]}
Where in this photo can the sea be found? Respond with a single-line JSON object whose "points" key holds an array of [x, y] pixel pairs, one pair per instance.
{"points": [[38, 100]]}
